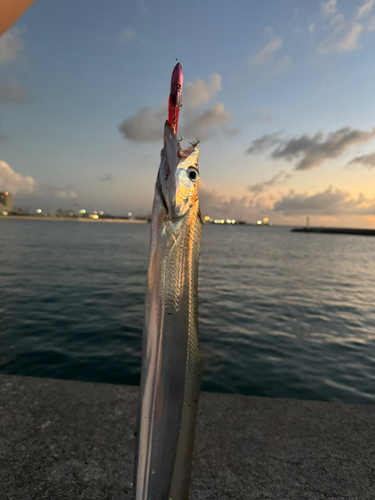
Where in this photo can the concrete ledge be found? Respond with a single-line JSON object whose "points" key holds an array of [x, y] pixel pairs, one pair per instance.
{"points": [[65, 440]]}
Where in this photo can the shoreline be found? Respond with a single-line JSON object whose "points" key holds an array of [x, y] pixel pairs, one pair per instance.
{"points": [[70, 219]]}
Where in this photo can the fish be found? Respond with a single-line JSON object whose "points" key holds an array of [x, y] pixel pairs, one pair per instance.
{"points": [[170, 373]]}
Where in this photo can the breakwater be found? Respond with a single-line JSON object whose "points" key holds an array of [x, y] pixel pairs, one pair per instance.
{"points": [[335, 230]]}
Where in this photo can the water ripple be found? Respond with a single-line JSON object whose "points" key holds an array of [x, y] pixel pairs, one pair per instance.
{"points": [[281, 314]]}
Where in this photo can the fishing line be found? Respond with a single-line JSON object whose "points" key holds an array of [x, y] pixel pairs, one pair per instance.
{"points": [[177, 25]]}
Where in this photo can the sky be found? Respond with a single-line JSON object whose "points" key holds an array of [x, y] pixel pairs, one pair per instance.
{"points": [[280, 94]]}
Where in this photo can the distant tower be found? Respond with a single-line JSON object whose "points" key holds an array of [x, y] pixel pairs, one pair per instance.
{"points": [[6, 201], [307, 221]]}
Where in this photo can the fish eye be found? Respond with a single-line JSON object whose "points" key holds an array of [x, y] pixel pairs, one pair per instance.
{"points": [[193, 174]]}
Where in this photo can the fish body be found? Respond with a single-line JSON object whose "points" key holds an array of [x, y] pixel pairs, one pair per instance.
{"points": [[170, 377]]}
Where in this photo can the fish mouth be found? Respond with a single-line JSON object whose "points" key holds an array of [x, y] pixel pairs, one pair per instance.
{"points": [[160, 192], [168, 213]]}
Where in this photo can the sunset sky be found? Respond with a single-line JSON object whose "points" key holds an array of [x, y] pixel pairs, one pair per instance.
{"points": [[280, 93]]}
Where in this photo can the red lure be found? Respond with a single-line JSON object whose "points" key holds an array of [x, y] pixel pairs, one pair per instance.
{"points": [[175, 103]]}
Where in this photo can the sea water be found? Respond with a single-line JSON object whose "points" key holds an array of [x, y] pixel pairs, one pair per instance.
{"points": [[281, 314]]}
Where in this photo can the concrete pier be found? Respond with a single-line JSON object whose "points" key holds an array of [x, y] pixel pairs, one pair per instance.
{"points": [[64, 440]]}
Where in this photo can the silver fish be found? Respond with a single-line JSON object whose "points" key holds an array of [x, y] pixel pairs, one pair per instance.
{"points": [[170, 378]]}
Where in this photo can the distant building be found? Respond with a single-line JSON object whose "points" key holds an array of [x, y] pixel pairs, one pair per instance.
{"points": [[6, 202]]}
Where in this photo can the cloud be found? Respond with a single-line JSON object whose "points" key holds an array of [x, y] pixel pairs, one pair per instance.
{"points": [[345, 34], [311, 151], [367, 160], [29, 192], [278, 67], [13, 92], [47, 197], [128, 34], [64, 193], [107, 178], [344, 38], [265, 56], [2, 136], [263, 143], [217, 205], [147, 124], [311, 28], [314, 150], [264, 60], [198, 92], [328, 8], [329, 202], [279, 178], [10, 45], [14, 182], [365, 9], [210, 123], [371, 24], [262, 114]]}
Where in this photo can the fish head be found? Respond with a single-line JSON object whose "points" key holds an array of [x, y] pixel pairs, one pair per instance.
{"points": [[178, 176]]}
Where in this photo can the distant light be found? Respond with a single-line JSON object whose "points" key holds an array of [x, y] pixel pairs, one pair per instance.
{"points": [[82, 211], [222, 221], [216, 221], [233, 221], [6, 193], [206, 217], [265, 220], [101, 212], [95, 212], [39, 210], [129, 214], [259, 222], [4, 213], [229, 221], [94, 216]]}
